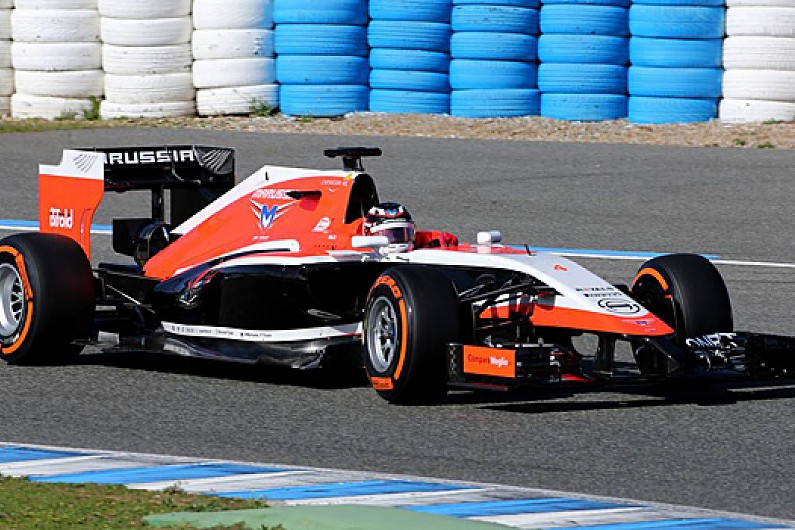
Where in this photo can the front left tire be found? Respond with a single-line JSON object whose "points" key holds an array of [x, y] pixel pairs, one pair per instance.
{"points": [[412, 314]]}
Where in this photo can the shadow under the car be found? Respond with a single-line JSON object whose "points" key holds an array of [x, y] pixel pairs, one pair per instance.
{"points": [[666, 394], [323, 378]]}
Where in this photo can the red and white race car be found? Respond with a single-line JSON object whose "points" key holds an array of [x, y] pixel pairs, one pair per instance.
{"points": [[297, 266]]}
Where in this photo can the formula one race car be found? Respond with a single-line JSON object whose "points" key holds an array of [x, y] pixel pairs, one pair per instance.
{"points": [[295, 267]]}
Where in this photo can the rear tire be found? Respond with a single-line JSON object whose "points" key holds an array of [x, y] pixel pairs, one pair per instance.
{"points": [[687, 292], [412, 313], [47, 299]]}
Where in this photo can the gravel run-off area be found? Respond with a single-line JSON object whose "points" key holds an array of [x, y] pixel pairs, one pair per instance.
{"points": [[769, 135]]}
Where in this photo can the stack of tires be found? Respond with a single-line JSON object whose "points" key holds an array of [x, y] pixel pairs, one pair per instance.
{"points": [[675, 52], [493, 72], [410, 56], [57, 58], [147, 58], [321, 62], [235, 69], [759, 57], [6, 72], [583, 51]]}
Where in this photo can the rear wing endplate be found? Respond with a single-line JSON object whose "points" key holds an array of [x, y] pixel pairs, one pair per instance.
{"points": [[70, 192]]}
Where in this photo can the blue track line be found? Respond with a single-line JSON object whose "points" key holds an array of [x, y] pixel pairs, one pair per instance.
{"points": [[26, 454], [603, 253], [717, 523], [140, 475], [517, 506], [343, 489], [18, 224]]}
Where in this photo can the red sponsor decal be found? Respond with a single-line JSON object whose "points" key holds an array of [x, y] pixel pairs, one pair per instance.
{"points": [[497, 362]]}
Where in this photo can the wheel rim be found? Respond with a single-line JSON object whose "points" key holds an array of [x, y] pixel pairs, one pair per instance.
{"points": [[12, 300], [652, 296], [382, 334]]}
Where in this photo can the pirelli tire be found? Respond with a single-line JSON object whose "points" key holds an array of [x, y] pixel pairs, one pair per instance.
{"points": [[47, 299], [412, 313], [687, 292]]}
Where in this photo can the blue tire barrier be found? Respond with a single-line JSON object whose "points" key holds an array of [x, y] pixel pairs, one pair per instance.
{"points": [[394, 59], [617, 3], [584, 107], [322, 70], [421, 10], [676, 22], [320, 39], [323, 101], [409, 102], [503, 19], [470, 73], [710, 3], [432, 36], [671, 110], [583, 19], [563, 78], [495, 103], [676, 53], [675, 82], [599, 49], [493, 46], [410, 80], [349, 12], [516, 3]]}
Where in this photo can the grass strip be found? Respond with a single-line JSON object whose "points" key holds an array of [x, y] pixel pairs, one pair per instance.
{"points": [[26, 505]]}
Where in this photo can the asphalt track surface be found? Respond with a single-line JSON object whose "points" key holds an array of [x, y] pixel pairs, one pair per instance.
{"points": [[726, 446]]}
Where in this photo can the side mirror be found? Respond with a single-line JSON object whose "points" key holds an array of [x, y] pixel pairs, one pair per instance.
{"points": [[369, 241], [487, 238]]}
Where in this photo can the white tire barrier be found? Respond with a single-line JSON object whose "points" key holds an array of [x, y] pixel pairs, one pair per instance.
{"points": [[154, 32], [24, 106], [232, 14], [236, 100], [761, 21], [5, 54], [232, 43], [144, 9], [220, 73], [51, 25], [77, 84], [5, 23], [56, 4], [760, 53], [6, 81], [755, 111], [766, 3], [110, 110], [141, 89], [774, 85], [234, 49], [56, 56], [139, 60]]}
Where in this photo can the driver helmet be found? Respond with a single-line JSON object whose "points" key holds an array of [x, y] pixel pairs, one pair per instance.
{"points": [[393, 221]]}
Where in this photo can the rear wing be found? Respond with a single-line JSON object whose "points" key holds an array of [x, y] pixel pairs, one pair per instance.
{"points": [[70, 193], [168, 167]]}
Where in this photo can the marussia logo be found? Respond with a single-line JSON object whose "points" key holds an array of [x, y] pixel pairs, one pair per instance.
{"points": [[62, 218], [266, 214]]}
